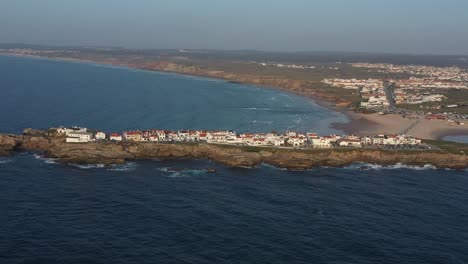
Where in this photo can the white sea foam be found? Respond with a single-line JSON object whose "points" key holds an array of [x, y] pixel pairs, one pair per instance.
{"points": [[268, 166], [266, 122], [398, 166], [129, 166], [88, 166], [44, 159], [177, 175], [180, 173], [364, 166], [164, 169], [5, 161], [257, 108]]}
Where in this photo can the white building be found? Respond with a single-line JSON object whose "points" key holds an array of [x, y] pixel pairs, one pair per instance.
{"points": [[116, 137], [297, 141], [78, 137], [100, 135], [321, 143], [351, 143], [66, 131]]}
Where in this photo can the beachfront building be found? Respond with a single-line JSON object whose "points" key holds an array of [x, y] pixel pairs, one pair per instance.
{"points": [[272, 139], [365, 141], [378, 140], [222, 136], [350, 143], [133, 135], [67, 130], [115, 137], [100, 135], [153, 138], [204, 136], [297, 141], [78, 137], [320, 142]]}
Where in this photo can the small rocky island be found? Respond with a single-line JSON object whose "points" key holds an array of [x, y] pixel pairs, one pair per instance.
{"points": [[54, 145]]}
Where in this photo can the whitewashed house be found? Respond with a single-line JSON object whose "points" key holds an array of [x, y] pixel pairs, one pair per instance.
{"points": [[247, 139], [391, 140], [78, 137], [260, 142], [311, 135], [297, 141], [350, 143], [205, 136], [183, 134], [378, 140], [366, 140], [153, 138], [133, 135], [321, 142], [66, 131], [115, 137], [100, 135]]}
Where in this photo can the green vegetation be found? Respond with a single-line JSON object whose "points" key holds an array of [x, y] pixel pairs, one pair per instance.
{"points": [[454, 96], [449, 146]]}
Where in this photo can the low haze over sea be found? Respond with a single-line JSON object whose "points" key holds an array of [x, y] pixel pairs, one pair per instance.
{"points": [[176, 211]]}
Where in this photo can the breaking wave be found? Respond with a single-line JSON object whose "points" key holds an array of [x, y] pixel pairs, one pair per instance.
{"points": [[44, 159], [257, 109], [129, 166], [181, 173], [5, 161], [398, 166], [88, 166]]}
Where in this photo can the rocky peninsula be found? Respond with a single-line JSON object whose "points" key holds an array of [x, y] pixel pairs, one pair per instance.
{"points": [[54, 146]]}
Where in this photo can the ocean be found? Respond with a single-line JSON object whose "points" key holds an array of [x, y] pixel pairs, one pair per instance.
{"points": [[176, 211]]}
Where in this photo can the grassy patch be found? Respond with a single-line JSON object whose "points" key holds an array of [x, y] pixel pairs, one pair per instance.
{"points": [[449, 146]]}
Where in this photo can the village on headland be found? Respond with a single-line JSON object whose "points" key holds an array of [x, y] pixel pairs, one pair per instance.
{"points": [[289, 139]]}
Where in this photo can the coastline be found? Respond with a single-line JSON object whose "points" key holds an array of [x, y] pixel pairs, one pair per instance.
{"points": [[115, 152], [358, 123]]}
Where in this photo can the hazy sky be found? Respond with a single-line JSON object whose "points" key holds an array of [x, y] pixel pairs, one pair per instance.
{"points": [[402, 26]]}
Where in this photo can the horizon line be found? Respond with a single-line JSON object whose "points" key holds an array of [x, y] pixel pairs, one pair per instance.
{"points": [[234, 50]]}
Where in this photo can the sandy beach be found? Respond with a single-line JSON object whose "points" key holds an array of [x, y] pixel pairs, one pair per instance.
{"points": [[372, 124]]}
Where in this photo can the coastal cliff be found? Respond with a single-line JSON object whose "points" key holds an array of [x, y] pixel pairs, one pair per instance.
{"points": [[235, 156]]}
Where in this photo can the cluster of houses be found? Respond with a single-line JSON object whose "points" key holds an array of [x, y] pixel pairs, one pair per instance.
{"points": [[456, 75], [273, 139], [402, 96], [415, 83], [371, 91], [374, 98], [289, 66], [354, 84]]}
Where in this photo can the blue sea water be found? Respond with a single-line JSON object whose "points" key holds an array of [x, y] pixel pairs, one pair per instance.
{"points": [[175, 211]]}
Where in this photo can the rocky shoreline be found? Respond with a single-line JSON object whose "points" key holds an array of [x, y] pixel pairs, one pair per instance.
{"points": [[54, 146]]}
